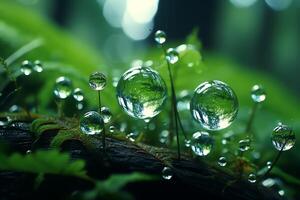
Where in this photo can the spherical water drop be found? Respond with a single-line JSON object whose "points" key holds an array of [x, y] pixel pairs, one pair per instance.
{"points": [[141, 92], [63, 87], [164, 137], [79, 105], [167, 173], [26, 67], [91, 123], [106, 114], [112, 129], [97, 81], [160, 37], [78, 94], [201, 143], [258, 94], [281, 192], [38, 66], [269, 164], [214, 105], [244, 145], [132, 136], [172, 56], [222, 161], [252, 178], [15, 109], [28, 151], [187, 143], [283, 137]]}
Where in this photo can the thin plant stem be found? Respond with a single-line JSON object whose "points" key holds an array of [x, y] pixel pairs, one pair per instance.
{"points": [[99, 101], [60, 106], [251, 118], [104, 134]]}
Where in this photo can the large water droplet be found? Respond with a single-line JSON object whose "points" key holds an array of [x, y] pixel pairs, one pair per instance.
{"points": [[244, 145], [222, 161], [283, 137], [167, 173], [78, 94], [160, 37], [141, 92], [106, 114], [201, 143], [38, 66], [258, 94], [63, 87], [172, 56], [97, 81], [91, 123], [26, 67], [214, 105], [252, 178]]}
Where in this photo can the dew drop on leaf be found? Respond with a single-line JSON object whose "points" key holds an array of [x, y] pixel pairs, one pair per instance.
{"points": [[258, 94], [141, 92], [187, 142], [164, 137], [112, 129], [269, 164], [106, 114], [97, 81], [14, 109], [63, 87], [172, 56], [214, 105], [132, 136], [283, 137], [26, 67], [252, 178], [201, 143], [244, 145], [167, 173], [78, 94], [222, 161], [92, 123], [160, 37], [38, 66]]}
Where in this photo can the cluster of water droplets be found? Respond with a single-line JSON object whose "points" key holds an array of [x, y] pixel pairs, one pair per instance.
{"points": [[27, 67]]}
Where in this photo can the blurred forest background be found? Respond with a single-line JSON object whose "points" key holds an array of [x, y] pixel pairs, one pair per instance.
{"points": [[261, 34]]}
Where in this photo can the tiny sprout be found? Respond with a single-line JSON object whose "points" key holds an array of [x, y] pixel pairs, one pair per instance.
{"points": [[160, 37]]}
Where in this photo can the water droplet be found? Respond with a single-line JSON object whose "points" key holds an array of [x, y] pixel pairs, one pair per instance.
{"points": [[141, 92], [28, 151], [132, 136], [252, 178], [172, 56], [106, 114], [269, 164], [97, 81], [258, 94], [228, 136], [26, 67], [112, 129], [38, 66], [63, 87], [256, 155], [214, 105], [201, 143], [244, 145], [222, 161], [123, 127], [283, 137], [160, 37], [167, 173], [14, 109], [91, 123], [269, 182], [78, 94], [281, 192], [187, 142], [79, 105], [164, 137]]}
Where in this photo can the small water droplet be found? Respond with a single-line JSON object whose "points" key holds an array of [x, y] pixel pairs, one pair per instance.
{"points": [[228, 136], [164, 137], [252, 178], [269, 182], [269, 164], [38, 66], [123, 126], [91, 123], [256, 155], [167, 173], [201, 143], [141, 92], [28, 151], [63, 87], [112, 129], [97, 81], [258, 94], [187, 143], [78, 94], [79, 105], [281, 192], [214, 105], [283, 137], [106, 114], [14, 109], [172, 56], [222, 161], [132, 136], [160, 37], [244, 145], [26, 67]]}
